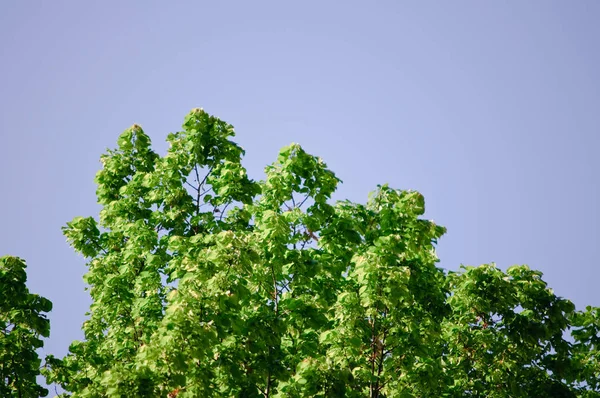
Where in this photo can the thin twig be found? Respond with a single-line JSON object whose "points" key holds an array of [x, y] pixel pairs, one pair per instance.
{"points": [[198, 189], [304, 200], [191, 186], [205, 177], [206, 191], [223, 211]]}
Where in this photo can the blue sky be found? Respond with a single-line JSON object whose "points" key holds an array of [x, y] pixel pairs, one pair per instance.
{"points": [[490, 109]]}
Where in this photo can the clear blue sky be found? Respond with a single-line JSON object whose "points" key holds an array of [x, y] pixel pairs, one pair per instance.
{"points": [[490, 109]]}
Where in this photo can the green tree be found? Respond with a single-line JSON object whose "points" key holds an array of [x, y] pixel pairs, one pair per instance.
{"points": [[504, 335], [22, 323], [586, 351], [207, 283]]}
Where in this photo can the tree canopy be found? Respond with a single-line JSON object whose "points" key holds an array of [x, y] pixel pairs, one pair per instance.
{"points": [[207, 283], [23, 323]]}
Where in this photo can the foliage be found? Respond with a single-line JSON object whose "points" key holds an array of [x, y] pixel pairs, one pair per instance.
{"points": [[586, 350], [505, 334], [22, 323], [207, 283]]}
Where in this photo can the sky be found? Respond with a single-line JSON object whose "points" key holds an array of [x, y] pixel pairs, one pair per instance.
{"points": [[490, 109]]}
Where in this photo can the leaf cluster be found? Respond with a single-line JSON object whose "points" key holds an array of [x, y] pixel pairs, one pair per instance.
{"points": [[23, 323]]}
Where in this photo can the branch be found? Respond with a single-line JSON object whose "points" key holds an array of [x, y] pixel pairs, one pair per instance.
{"points": [[304, 200], [223, 211], [198, 189], [100, 247], [261, 391], [195, 188], [210, 169], [275, 291], [206, 191], [380, 368]]}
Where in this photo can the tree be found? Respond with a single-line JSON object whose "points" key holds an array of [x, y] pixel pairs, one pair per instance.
{"points": [[207, 283], [22, 323]]}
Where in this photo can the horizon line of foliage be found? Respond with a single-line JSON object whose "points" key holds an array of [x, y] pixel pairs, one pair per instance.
{"points": [[206, 283]]}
